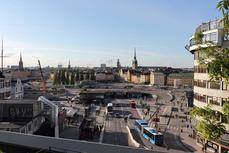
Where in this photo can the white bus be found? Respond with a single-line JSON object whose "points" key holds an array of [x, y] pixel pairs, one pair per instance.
{"points": [[109, 107]]}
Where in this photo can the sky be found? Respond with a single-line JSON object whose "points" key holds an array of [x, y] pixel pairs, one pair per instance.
{"points": [[91, 32]]}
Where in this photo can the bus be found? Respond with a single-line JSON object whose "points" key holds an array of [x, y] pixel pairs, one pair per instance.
{"points": [[139, 124], [153, 136], [109, 107]]}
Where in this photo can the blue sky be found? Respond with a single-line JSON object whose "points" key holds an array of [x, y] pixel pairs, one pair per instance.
{"points": [[90, 32]]}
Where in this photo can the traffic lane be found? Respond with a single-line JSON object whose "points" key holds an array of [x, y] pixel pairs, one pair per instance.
{"points": [[115, 132], [172, 138], [121, 106]]}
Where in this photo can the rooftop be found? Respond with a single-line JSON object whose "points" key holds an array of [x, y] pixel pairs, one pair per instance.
{"points": [[64, 145], [18, 101], [182, 75]]}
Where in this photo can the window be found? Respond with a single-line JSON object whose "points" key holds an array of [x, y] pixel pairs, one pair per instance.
{"points": [[214, 100], [214, 85], [149, 134], [200, 69], [225, 86], [207, 37], [200, 83], [199, 97], [213, 37], [213, 25]]}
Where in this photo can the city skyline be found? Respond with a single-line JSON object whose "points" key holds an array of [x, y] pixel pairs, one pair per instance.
{"points": [[79, 31]]}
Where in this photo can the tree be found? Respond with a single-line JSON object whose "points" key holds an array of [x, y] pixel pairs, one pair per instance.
{"points": [[92, 75], [81, 76], [63, 77], [223, 6], [56, 80], [199, 37], [216, 59], [87, 76], [77, 75], [226, 110], [209, 125], [67, 81], [72, 80]]}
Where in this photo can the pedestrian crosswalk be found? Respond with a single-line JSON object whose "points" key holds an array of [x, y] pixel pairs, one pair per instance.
{"points": [[173, 127]]}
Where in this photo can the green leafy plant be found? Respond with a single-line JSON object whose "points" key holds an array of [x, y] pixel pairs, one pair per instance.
{"points": [[198, 37], [209, 125], [216, 59]]}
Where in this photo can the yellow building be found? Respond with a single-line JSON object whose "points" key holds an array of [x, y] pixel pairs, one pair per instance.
{"points": [[157, 78], [180, 79]]}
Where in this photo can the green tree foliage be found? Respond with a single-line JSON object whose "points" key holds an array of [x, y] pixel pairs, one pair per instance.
{"points": [[209, 125], [67, 79], [226, 110], [216, 59], [81, 76], [198, 37], [56, 79], [72, 78], [77, 74], [223, 6], [87, 75], [69, 76]]}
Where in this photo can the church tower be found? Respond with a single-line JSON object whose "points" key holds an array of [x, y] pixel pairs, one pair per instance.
{"points": [[118, 64], [135, 62], [21, 64], [69, 65]]}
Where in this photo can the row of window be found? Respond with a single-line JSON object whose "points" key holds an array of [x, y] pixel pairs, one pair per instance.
{"points": [[211, 84], [201, 98], [211, 99], [210, 37], [200, 83], [4, 84], [200, 69]]}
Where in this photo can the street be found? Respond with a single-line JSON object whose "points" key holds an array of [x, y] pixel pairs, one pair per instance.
{"points": [[115, 130]]}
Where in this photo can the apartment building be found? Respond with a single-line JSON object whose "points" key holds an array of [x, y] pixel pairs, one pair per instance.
{"points": [[208, 91], [5, 86], [157, 78], [180, 79]]}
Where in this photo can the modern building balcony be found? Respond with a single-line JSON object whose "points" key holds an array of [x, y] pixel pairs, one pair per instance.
{"points": [[211, 92], [201, 76], [211, 37]]}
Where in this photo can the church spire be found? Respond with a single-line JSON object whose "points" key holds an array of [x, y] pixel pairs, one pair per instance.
{"points": [[69, 65], [135, 53], [135, 62], [20, 57], [21, 63]]}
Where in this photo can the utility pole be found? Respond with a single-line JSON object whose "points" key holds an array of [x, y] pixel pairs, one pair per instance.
{"points": [[2, 56]]}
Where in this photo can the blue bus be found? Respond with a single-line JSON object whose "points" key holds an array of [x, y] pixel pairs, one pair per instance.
{"points": [[153, 136], [139, 124]]}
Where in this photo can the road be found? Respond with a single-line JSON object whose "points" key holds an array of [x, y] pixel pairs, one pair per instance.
{"points": [[115, 129]]}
